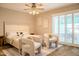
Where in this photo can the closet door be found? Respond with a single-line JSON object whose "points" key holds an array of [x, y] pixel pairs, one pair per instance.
{"points": [[76, 28], [68, 28]]}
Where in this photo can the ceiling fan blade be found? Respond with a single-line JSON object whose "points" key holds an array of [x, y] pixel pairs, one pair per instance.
{"points": [[40, 8], [28, 5], [39, 4], [27, 9], [35, 9]]}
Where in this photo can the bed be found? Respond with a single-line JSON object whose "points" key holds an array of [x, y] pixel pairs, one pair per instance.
{"points": [[20, 41], [15, 39], [15, 34]]}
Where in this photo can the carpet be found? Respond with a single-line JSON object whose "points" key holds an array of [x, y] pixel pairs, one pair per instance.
{"points": [[44, 52]]}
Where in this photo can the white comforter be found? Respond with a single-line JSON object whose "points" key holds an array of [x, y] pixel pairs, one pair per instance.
{"points": [[13, 40]]}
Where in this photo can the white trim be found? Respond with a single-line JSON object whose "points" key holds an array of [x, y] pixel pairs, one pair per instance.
{"points": [[67, 12], [69, 44], [65, 27], [72, 28], [58, 25]]}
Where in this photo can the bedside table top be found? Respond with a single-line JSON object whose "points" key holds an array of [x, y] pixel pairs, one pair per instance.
{"points": [[1, 36]]}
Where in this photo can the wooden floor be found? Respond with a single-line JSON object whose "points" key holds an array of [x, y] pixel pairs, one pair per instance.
{"points": [[63, 51], [1, 53]]}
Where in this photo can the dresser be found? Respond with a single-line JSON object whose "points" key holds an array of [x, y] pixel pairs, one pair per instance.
{"points": [[1, 41]]}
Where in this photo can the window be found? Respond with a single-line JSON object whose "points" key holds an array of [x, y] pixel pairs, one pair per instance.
{"points": [[69, 28], [62, 28], [55, 25], [76, 28], [66, 26]]}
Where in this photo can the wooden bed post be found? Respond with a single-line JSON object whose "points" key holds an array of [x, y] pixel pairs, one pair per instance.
{"points": [[4, 32], [4, 28], [20, 46]]}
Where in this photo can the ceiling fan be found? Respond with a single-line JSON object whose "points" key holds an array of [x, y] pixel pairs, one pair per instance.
{"points": [[34, 8]]}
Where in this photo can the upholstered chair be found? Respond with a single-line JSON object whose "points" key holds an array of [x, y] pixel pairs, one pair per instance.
{"points": [[53, 39], [49, 39]]}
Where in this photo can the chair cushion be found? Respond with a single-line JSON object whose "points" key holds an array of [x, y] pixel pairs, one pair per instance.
{"points": [[37, 45], [54, 39]]}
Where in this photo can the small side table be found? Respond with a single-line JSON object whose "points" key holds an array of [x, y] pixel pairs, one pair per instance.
{"points": [[1, 40]]}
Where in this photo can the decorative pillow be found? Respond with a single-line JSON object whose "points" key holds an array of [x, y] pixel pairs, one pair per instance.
{"points": [[11, 34], [25, 35]]}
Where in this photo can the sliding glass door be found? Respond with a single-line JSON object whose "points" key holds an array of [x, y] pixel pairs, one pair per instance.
{"points": [[76, 28], [66, 26], [62, 28]]}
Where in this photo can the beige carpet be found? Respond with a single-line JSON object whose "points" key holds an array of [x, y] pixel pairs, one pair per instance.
{"points": [[66, 50], [14, 51]]}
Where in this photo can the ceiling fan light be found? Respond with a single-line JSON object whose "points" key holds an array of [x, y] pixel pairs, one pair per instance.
{"points": [[34, 8], [34, 12], [37, 12]]}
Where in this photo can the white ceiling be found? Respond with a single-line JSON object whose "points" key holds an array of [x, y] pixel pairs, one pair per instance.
{"points": [[21, 6]]}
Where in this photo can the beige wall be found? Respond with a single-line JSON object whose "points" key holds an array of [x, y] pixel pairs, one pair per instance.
{"points": [[39, 24], [43, 20], [12, 17]]}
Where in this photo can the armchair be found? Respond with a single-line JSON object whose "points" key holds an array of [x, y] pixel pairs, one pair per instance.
{"points": [[49, 39]]}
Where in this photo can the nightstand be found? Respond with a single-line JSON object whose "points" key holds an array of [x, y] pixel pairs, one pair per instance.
{"points": [[1, 40]]}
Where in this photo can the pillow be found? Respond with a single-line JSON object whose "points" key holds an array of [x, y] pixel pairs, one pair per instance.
{"points": [[11, 34], [25, 33]]}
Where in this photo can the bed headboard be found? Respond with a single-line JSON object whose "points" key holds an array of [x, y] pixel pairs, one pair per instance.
{"points": [[16, 28]]}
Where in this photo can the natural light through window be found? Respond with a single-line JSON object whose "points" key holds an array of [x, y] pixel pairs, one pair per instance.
{"points": [[66, 26]]}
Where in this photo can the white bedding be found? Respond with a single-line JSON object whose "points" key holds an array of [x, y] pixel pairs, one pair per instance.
{"points": [[14, 40]]}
